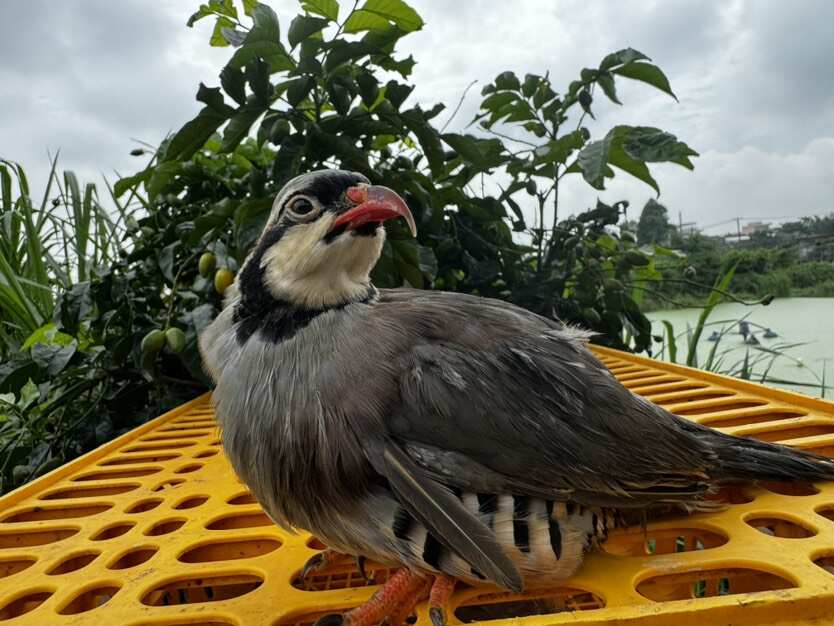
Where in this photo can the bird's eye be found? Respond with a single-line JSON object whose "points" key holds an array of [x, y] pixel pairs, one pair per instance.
{"points": [[301, 207]]}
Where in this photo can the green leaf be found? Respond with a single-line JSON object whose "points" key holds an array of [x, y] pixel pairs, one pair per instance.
{"points": [[531, 83], [360, 21], [621, 57], [130, 182], [257, 74], [239, 126], [606, 83], [53, 358], [28, 394], [496, 101], [263, 41], [47, 334], [249, 6], [646, 73], [162, 176], [507, 80], [395, 11], [194, 134], [484, 154], [302, 27], [233, 36], [217, 39], [299, 88], [233, 83], [368, 88], [415, 121], [558, 150], [203, 11], [593, 161], [213, 98], [656, 146], [325, 8]]}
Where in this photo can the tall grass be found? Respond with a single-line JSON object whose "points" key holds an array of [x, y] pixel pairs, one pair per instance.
{"points": [[48, 246]]}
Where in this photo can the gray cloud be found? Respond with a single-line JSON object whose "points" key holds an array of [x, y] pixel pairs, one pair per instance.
{"points": [[753, 79]]}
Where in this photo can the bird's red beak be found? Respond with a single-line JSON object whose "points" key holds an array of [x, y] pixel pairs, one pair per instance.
{"points": [[374, 203]]}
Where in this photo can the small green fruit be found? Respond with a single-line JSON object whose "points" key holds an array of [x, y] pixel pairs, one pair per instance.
{"points": [[175, 339], [636, 259], [530, 187], [207, 264], [153, 341], [222, 279]]}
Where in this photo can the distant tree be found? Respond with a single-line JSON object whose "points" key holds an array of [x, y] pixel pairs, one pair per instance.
{"points": [[653, 226]]}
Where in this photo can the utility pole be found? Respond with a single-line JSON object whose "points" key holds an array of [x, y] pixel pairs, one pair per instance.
{"points": [[738, 228]]}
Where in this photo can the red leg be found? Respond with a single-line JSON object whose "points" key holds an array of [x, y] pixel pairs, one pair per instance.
{"points": [[401, 586], [398, 617], [441, 591]]}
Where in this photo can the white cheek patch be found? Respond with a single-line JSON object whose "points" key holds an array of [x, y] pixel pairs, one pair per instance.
{"points": [[304, 269]]}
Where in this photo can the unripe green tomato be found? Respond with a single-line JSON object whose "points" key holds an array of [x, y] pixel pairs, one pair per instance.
{"points": [[175, 339], [222, 279], [207, 264], [153, 341]]}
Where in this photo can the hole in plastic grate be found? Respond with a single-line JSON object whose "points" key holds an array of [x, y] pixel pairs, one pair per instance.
{"points": [[168, 484], [73, 563], [245, 520], [24, 604], [38, 513], [780, 527], [113, 531], [507, 605], [13, 566], [29, 538], [712, 395], [662, 541], [172, 445], [185, 428], [142, 506], [165, 527], [133, 557], [787, 434], [308, 619], [826, 562], [710, 583], [229, 550], [720, 407], [88, 492], [191, 503], [205, 453], [316, 544], [117, 474], [826, 510], [243, 498], [139, 458], [203, 621], [202, 589], [170, 437], [89, 600], [343, 575], [789, 489], [771, 416], [187, 469]]}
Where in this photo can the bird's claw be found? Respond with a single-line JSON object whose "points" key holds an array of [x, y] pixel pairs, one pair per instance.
{"points": [[437, 616], [313, 564], [360, 565]]}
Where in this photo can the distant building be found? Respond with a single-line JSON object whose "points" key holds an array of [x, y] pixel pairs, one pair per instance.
{"points": [[752, 228]]}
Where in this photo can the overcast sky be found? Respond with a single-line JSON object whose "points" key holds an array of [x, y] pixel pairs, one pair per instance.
{"points": [[754, 80]]}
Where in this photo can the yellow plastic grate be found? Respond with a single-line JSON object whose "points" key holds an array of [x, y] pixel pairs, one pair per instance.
{"points": [[154, 528]]}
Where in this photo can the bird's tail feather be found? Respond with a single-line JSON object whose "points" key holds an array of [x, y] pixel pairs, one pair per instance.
{"points": [[741, 458]]}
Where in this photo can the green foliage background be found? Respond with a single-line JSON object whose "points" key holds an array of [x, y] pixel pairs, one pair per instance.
{"points": [[83, 355]]}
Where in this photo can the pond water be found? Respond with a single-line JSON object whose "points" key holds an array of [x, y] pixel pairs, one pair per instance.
{"points": [[806, 321]]}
